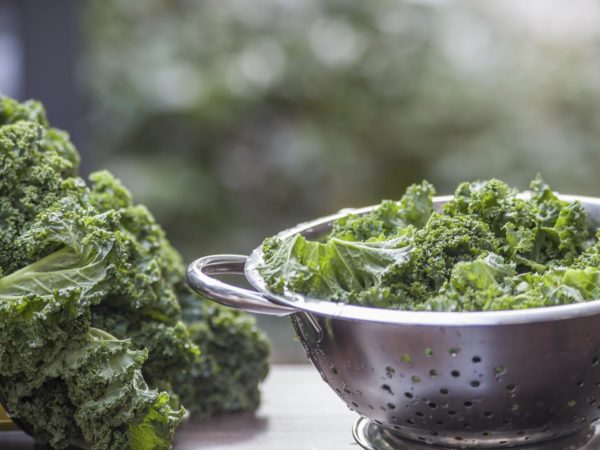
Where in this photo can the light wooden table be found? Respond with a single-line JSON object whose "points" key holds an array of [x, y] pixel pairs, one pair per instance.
{"points": [[299, 412]]}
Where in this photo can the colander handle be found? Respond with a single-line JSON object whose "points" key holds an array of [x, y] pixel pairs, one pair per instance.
{"points": [[199, 278]]}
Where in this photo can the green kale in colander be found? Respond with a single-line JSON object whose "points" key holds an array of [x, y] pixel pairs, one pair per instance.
{"points": [[489, 248]]}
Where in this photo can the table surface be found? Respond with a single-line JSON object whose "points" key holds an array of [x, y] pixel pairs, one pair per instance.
{"points": [[299, 412]]}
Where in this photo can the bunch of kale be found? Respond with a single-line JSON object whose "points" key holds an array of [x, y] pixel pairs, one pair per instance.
{"points": [[95, 351], [489, 248]]}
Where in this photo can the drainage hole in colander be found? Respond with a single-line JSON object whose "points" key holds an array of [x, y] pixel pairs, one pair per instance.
{"points": [[427, 440], [454, 351], [432, 405], [485, 433], [521, 433], [435, 433], [458, 438], [452, 412], [387, 388], [440, 423], [500, 370], [488, 414], [511, 387], [444, 391], [580, 383], [355, 404], [468, 404], [476, 359], [514, 407], [391, 406], [371, 407], [408, 395], [502, 442], [410, 421], [571, 403], [455, 373], [595, 361], [508, 422], [433, 373], [429, 352], [475, 384], [467, 425], [419, 414], [378, 422], [415, 379], [591, 400]]}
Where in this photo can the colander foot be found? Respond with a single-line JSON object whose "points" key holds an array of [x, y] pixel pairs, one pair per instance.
{"points": [[370, 436]]}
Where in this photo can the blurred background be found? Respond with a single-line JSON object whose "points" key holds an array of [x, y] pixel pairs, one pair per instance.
{"points": [[232, 119]]}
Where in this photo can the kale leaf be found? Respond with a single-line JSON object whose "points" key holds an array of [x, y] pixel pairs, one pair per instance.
{"points": [[218, 383]]}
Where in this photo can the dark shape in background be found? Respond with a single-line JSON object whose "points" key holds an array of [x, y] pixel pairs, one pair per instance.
{"points": [[39, 46]]}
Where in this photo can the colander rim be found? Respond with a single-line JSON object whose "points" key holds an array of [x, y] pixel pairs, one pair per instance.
{"points": [[344, 311]]}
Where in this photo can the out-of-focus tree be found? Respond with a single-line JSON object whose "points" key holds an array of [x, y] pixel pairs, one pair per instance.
{"points": [[233, 119]]}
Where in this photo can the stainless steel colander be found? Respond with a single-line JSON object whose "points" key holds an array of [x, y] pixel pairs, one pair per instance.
{"points": [[469, 380]]}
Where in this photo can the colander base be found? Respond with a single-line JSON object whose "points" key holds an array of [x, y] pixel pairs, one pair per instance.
{"points": [[370, 436]]}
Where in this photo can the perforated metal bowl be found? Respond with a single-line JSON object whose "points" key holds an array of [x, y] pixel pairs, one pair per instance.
{"points": [[469, 380]]}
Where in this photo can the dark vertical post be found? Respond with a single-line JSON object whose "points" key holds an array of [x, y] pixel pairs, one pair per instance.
{"points": [[11, 50], [51, 37]]}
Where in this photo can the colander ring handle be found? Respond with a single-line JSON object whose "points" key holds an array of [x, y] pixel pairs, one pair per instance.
{"points": [[199, 278]]}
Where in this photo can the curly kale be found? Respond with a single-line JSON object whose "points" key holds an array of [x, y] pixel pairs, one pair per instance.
{"points": [[414, 208], [142, 304], [66, 380], [489, 248], [90, 301], [535, 231], [35, 169], [218, 383]]}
